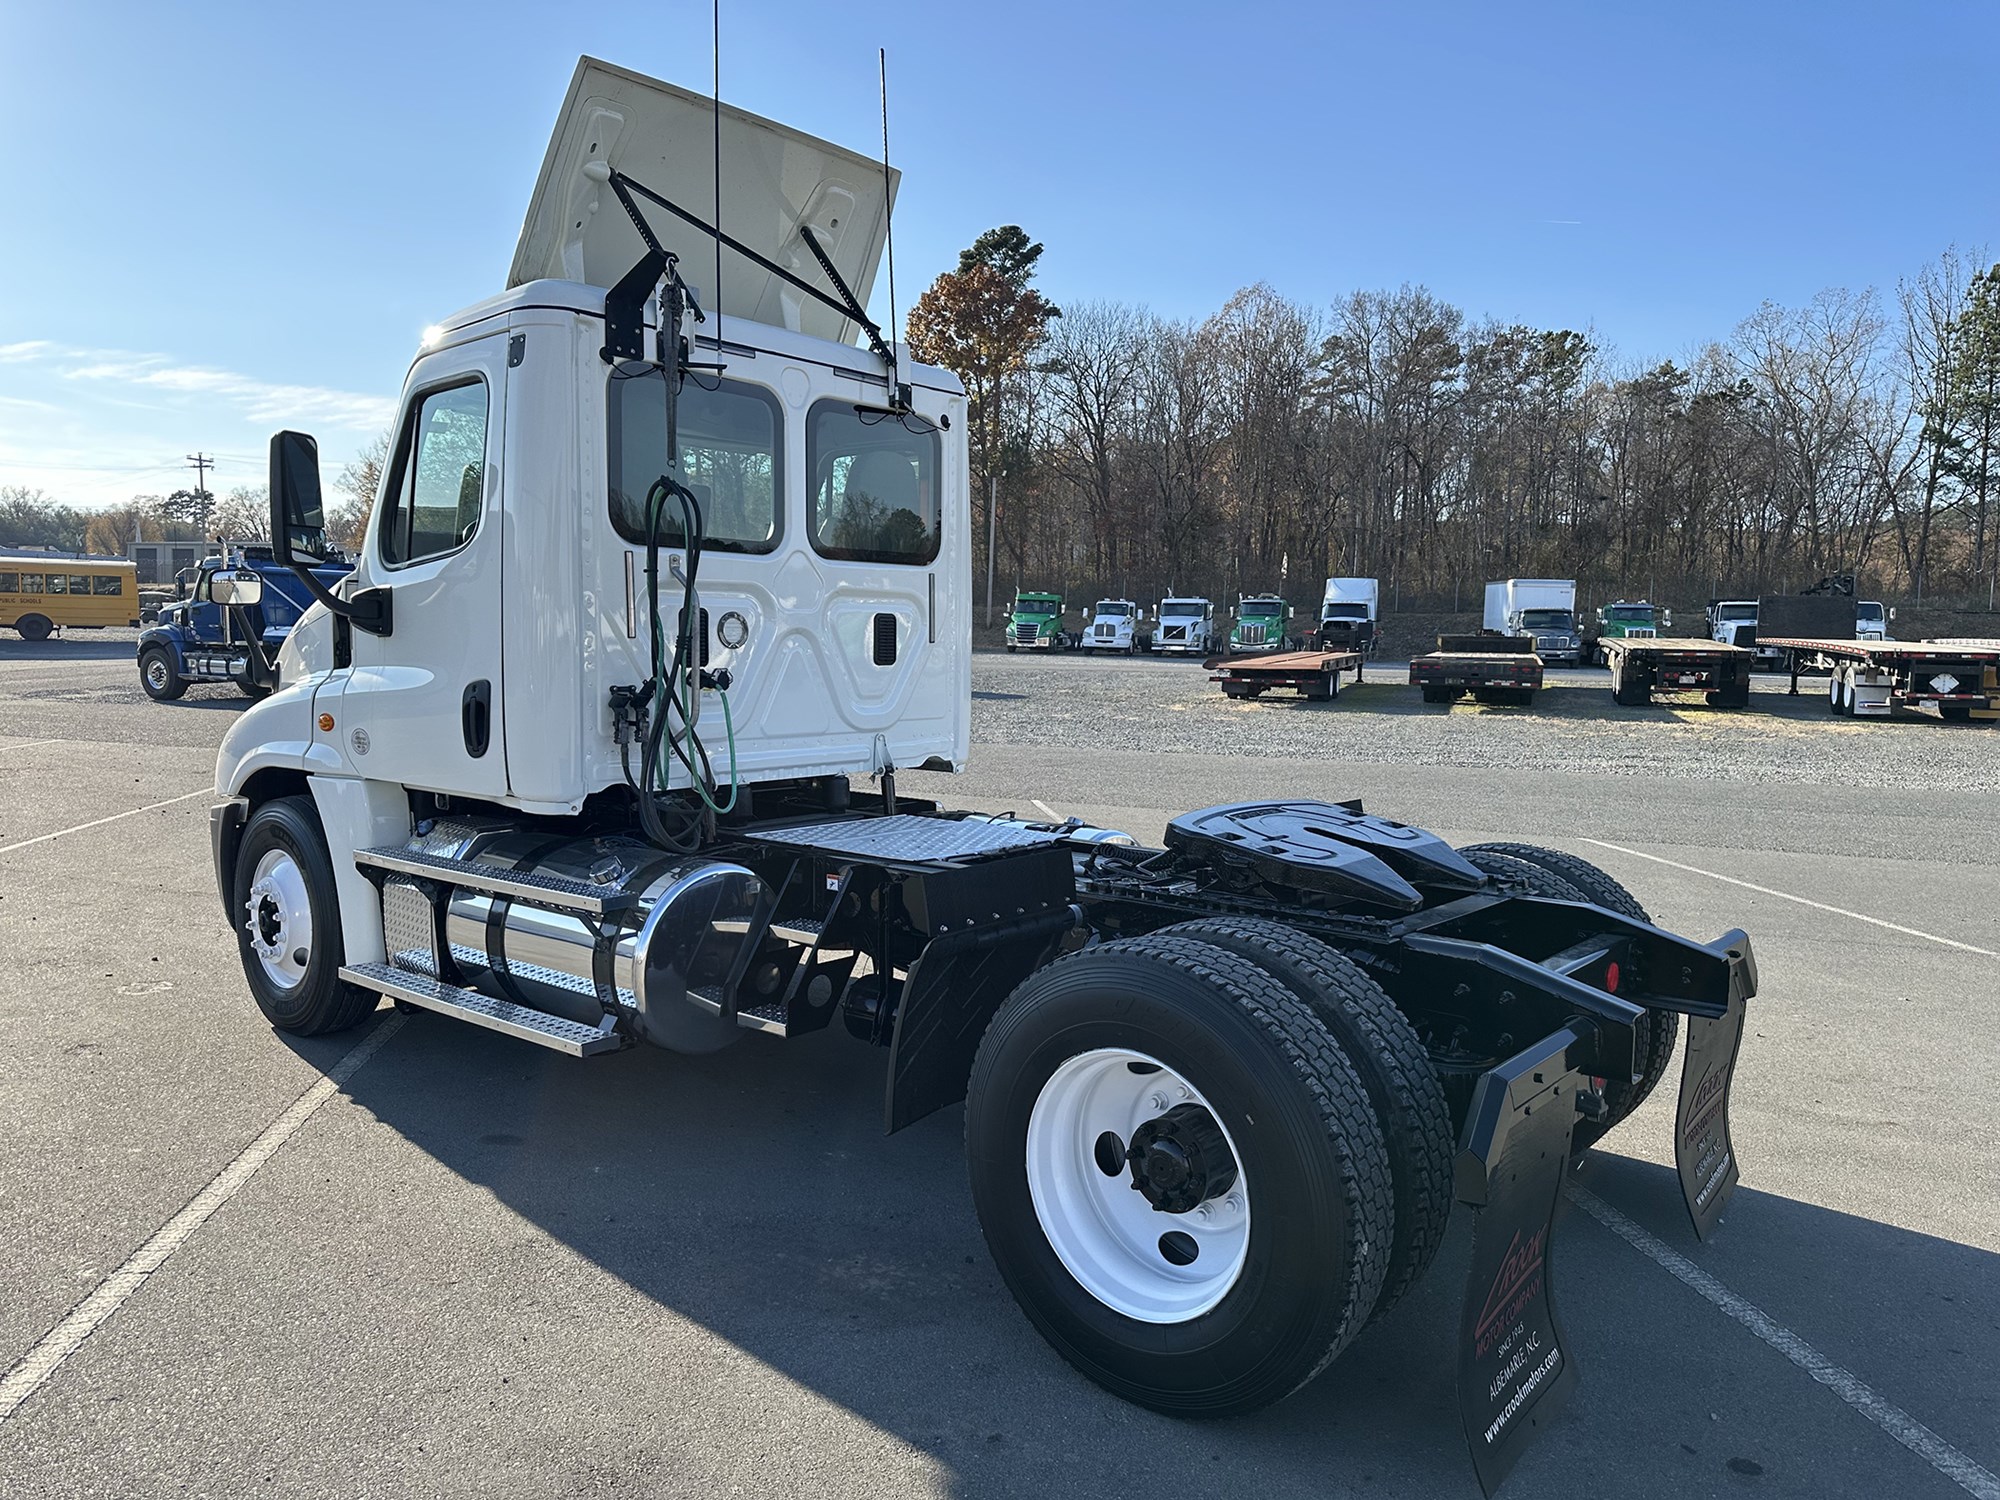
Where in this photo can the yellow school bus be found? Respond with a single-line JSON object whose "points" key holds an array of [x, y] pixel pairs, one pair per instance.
{"points": [[40, 592]]}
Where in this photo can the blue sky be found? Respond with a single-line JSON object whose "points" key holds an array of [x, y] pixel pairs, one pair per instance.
{"points": [[216, 220]]}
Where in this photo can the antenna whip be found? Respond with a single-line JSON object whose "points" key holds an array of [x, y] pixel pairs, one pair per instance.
{"points": [[889, 235]]}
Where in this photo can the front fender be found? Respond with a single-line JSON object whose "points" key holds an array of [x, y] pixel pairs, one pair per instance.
{"points": [[278, 732]]}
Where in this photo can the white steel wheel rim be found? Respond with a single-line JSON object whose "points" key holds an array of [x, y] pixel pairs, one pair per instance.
{"points": [[156, 673], [279, 918], [1103, 1230]]}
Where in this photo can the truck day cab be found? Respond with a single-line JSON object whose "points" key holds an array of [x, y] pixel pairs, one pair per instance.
{"points": [[1260, 624], [1184, 627], [1114, 625], [1035, 623], [598, 746]]}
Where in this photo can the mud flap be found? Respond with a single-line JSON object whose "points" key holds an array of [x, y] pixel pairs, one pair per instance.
{"points": [[1703, 1152], [1513, 1371]]}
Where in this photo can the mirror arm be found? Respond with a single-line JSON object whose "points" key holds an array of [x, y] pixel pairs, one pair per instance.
{"points": [[370, 610]]}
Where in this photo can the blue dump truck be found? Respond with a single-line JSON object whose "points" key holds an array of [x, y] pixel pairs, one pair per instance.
{"points": [[229, 625]]}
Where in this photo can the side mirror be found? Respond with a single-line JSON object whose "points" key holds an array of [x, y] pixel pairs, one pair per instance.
{"points": [[243, 587], [298, 516], [1892, 611]]}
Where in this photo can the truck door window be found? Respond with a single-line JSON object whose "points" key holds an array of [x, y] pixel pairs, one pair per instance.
{"points": [[729, 437], [438, 485], [874, 486]]}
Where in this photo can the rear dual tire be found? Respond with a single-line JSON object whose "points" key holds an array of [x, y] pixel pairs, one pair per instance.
{"points": [[1074, 1241]]}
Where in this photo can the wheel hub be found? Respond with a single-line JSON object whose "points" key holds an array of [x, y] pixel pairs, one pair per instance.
{"points": [[1181, 1159], [278, 918], [1115, 1140]]}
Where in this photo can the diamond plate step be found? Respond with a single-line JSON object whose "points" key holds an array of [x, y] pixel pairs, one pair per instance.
{"points": [[556, 892], [765, 1015], [555, 1032]]}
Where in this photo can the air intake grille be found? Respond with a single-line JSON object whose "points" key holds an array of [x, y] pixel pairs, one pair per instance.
{"points": [[885, 640], [682, 627]]}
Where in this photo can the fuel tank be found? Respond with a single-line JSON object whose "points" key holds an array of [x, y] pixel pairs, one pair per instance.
{"points": [[673, 924]]}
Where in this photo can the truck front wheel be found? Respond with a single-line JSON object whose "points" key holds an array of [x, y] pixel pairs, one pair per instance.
{"points": [[159, 676], [287, 918], [1179, 1174]]}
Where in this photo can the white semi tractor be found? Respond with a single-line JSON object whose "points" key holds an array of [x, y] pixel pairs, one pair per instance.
{"points": [[599, 746], [1541, 608], [1184, 625], [1114, 625]]}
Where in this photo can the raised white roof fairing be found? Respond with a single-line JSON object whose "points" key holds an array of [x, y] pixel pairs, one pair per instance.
{"points": [[774, 179]]}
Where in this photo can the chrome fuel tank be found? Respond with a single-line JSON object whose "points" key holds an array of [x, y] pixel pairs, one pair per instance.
{"points": [[679, 924]]}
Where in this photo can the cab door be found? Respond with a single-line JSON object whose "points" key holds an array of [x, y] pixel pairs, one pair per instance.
{"points": [[421, 706]]}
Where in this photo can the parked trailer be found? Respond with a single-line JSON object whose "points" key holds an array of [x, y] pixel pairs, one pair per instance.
{"points": [[1219, 1096], [1312, 674], [1872, 679], [1641, 667], [1493, 668]]}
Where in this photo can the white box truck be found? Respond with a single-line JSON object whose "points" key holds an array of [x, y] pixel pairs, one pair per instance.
{"points": [[1544, 608], [1347, 615]]}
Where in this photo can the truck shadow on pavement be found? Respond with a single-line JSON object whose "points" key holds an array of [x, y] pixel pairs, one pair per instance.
{"points": [[754, 1193], [66, 648]]}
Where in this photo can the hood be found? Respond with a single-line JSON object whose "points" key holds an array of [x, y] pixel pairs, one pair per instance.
{"points": [[773, 180]]}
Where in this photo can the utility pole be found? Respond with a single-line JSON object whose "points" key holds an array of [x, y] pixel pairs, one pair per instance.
{"points": [[992, 530], [201, 463]]}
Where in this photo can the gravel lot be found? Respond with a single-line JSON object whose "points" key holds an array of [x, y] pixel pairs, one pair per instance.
{"points": [[480, 1269], [1573, 726]]}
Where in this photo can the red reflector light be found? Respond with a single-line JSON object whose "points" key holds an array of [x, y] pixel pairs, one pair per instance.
{"points": [[1611, 977]]}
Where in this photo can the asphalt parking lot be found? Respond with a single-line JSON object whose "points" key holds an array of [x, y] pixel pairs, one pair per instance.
{"points": [[476, 1268]]}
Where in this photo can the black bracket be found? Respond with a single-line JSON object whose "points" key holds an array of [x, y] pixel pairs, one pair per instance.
{"points": [[846, 304]]}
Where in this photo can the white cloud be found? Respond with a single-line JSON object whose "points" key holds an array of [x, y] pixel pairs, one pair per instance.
{"points": [[259, 400], [96, 425]]}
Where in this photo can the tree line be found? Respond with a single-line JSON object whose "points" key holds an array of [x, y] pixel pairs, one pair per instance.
{"points": [[1273, 444]]}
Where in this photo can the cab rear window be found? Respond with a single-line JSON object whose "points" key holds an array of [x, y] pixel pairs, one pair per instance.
{"points": [[874, 495]]}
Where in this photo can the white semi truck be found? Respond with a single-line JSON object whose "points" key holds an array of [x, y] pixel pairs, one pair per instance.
{"points": [[1115, 625], [1541, 608], [1347, 615], [599, 745], [1184, 625]]}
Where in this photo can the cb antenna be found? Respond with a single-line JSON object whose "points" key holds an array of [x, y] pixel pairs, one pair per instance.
{"points": [[896, 396], [715, 36]]}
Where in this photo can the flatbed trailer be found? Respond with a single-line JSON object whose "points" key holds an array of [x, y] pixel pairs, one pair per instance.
{"points": [[1641, 666], [1312, 674], [1873, 679], [1493, 668]]}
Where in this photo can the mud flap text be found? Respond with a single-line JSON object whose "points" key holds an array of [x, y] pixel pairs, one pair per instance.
{"points": [[1513, 1370]]}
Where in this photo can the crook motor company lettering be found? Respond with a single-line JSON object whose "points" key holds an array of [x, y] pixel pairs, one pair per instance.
{"points": [[1512, 1365]]}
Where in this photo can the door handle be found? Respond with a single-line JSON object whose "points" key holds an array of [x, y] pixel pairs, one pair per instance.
{"points": [[475, 717]]}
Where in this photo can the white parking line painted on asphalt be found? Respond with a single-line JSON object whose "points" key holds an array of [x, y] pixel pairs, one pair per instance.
{"points": [[110, 1294], [27, 745], [1839, 911], [1962, 1470], [43, 838], [1050, 811]]}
